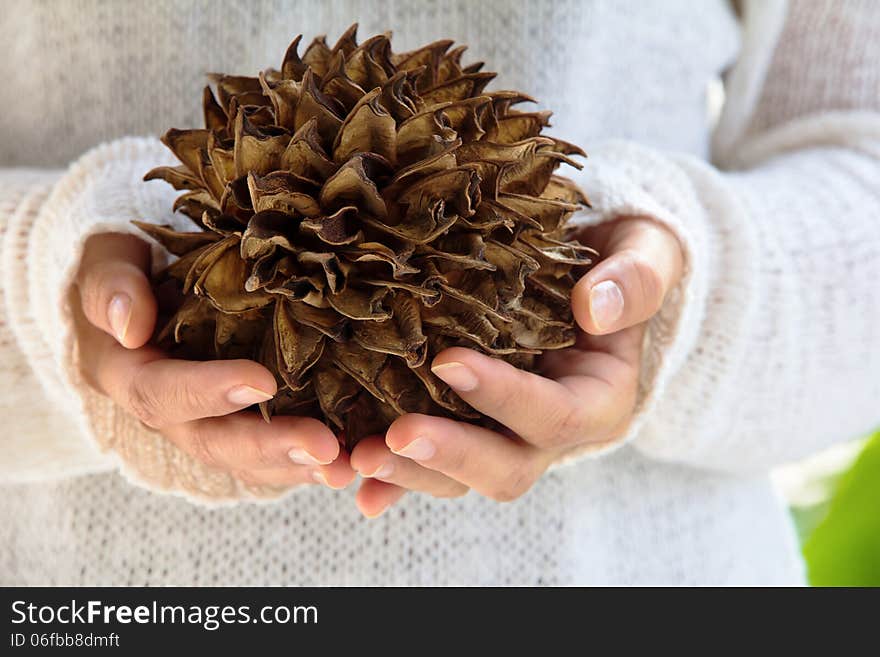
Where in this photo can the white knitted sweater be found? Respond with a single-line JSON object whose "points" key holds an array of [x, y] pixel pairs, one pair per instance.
{"points": [[766, 352]]}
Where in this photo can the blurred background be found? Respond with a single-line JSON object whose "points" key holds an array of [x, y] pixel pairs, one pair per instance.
{"points": [[834, 498]]}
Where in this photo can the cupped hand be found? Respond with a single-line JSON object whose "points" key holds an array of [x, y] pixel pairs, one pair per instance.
{"points": [[196, 405], [585, 395]]}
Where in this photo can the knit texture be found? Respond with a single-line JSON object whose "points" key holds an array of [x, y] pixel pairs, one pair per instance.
{"points": [[764, 353], [40, 447]]}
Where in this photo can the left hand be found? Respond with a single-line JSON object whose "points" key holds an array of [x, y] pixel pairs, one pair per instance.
{"points": [[585, 394], [197, 406]]}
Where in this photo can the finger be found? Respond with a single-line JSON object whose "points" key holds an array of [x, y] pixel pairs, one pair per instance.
{"points": [[374, 497], [644, 261], [496, 466], [583, 406], [372, 459], [114, 288], [161, 391], [164, 391], [244, 442], [336, 475], [281, 477]]}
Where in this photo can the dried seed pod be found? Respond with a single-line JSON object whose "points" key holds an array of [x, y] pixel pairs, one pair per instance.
{"points": [[361, 211]]}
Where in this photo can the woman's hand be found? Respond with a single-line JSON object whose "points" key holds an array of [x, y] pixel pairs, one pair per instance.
{"points": [[193, 404], [585, 396]]}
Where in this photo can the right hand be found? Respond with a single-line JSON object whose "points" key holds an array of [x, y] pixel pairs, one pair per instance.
{"points": [[193, 404]]}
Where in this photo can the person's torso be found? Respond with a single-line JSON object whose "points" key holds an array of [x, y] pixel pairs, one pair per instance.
{"points": [[80, 73], [622, 519]]}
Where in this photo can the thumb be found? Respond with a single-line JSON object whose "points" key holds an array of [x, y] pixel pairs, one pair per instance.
{"points": [[114, 289], [644, 261]]}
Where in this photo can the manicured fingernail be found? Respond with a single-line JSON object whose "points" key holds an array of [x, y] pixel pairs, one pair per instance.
{"points": [[458, 376], [302, 457], [119, 315], [606, 303], [420, 449], [245, 396], [382, 472]]}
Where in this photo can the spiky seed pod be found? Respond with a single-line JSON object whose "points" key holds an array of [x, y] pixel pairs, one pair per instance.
{"points": [[357, 212]]}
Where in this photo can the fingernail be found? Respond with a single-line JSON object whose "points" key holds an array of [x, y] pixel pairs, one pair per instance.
{"points": [[382, 472], [302, 457], [318, 476], [119, 315], [606, 303], [458, 376], [419, 449], [245, 396]]}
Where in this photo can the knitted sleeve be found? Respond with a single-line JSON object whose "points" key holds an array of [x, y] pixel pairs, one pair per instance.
{"points": [[768, 350], [42, 439], [62, 426]]}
